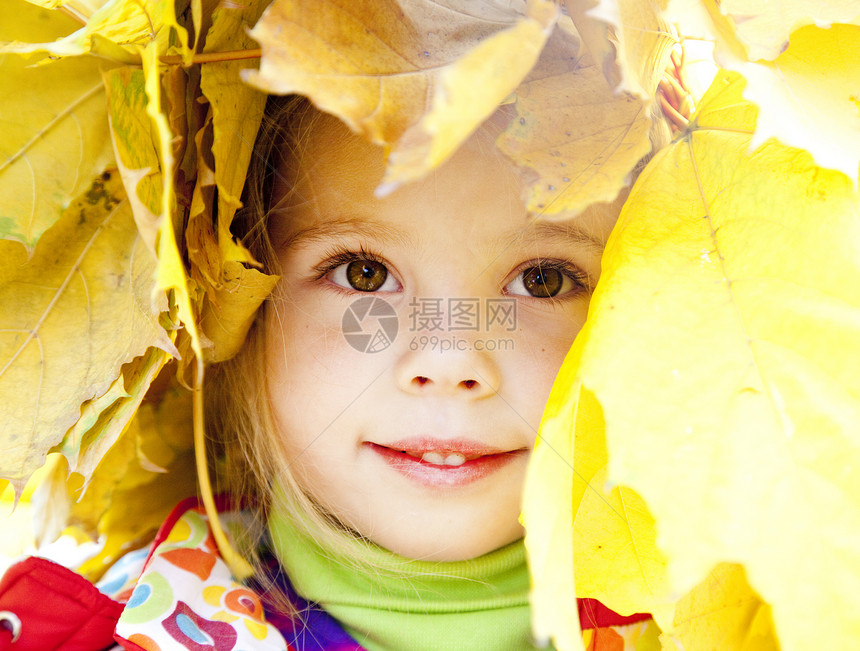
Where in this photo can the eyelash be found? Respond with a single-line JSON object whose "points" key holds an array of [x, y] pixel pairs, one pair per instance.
{"points": [[336, 257], [571, 271]]}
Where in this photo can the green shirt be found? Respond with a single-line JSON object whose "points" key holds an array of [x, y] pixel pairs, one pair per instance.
{"points": [[480, 603]]}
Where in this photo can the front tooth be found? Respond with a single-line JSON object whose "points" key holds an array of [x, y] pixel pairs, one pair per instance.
{"points": [[437, 458], [455, 459], [433, 457]]}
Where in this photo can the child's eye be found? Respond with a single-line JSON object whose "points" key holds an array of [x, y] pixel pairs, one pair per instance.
{"points": [[545, 280], [363, 275]]}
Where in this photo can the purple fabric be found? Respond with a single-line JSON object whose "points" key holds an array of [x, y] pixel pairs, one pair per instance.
{"points": [[314, 629]]}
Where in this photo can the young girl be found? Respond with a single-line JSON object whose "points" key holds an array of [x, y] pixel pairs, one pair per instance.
{"points": [[381, 414]]}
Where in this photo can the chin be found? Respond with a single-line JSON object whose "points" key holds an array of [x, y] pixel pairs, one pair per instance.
{"points": [[438, 546]]}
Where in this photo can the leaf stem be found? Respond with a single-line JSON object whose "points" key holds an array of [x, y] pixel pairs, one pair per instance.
{"points": [[213, 57], [240, 568], [75, 14]]}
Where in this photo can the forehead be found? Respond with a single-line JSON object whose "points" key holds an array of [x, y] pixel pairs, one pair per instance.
{"points": [[327, 182]]}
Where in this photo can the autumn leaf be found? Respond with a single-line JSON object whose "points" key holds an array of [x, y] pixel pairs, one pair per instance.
{"points": [[84, 306], [143, 150], [578, 527], [722, 611], [574, 138], [616, 559], [25, 22], [78, 8], [467, 93], [141, 480], [133, 141], [106, 417], [807, 95], [629, 41], [420, 89], [720, 345], [233, 292], [236, 113], [417, 78], [548, 518], [53, 122], [764, 28], [118, 30]]}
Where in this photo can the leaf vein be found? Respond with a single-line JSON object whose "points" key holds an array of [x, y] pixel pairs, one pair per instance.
{"points": [[33, 332], [50, 125]]}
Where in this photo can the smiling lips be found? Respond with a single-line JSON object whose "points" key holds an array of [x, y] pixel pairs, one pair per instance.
{"points": [[436, 462]]}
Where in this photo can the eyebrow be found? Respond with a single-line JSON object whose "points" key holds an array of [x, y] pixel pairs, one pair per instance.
{"points": [[566, 234], [345, 227]]}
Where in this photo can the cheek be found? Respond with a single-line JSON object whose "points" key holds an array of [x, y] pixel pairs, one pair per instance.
{"points": [[301, 331], [303, 353], [541, 350]]}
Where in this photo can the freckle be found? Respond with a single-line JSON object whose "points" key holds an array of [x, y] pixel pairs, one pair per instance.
{"points": [[522, 120], [550, 187]]}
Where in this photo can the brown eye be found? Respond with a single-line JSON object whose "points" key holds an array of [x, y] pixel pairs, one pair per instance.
{"points": [[366, 275], [543, 282]]}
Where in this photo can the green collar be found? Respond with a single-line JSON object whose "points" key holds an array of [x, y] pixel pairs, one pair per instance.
{"points": [[480, 603]]}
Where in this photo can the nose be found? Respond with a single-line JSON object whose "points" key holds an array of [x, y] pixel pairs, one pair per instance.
{"points": [[466, 373]]}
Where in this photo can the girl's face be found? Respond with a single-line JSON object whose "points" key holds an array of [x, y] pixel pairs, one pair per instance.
{"points": [[421, 445]]}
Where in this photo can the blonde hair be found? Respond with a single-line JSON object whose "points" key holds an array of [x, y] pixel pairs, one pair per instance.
{"points": [[253, 463]]}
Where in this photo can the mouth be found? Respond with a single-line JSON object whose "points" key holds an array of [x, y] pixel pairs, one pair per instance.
{"points": [[433, 462]]}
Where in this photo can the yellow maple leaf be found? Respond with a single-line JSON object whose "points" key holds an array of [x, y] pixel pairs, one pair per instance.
{"points": [[171, 273], [118, 29], [807, 95], [133, 141], [53, 123], [584, 538], [84, 305], [764, 28], [722, 612], [232, 291], [574, 138], [721, 346], [83, 7], [106, 417], [548, 518], [418, 78], [142, 479], [236, 113], [629, 40], [616, 559], [142, 139]]}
